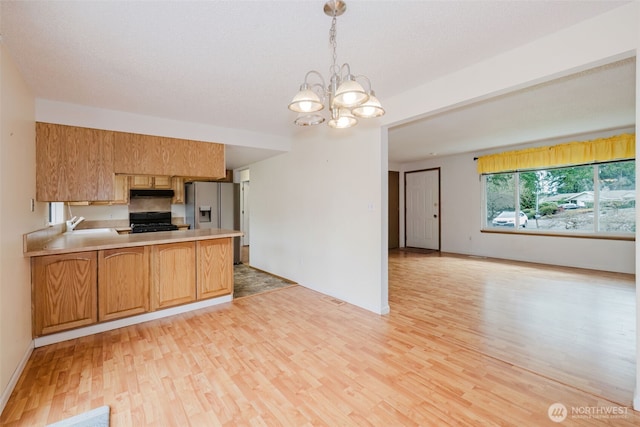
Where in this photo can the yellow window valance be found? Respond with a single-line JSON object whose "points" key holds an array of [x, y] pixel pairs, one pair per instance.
{"points": [[617, 147]]}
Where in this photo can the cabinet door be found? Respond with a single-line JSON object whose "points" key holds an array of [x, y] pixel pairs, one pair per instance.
{"points": [[141, 181], [156, 155], [123, 282], [177, 184], [64, 292], [215, 267], [149, 182], [101, 165], [162, 182], [51, 170], [121, 190], [173, 269], [73, 163], [205, 160], [133, 155]]}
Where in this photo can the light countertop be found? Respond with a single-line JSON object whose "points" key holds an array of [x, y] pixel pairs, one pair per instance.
{"points": [[65, 243]]}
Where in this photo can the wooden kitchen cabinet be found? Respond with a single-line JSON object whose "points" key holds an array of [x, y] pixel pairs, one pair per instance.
{"points": [[173, 281], [64, 292], [215, 268], [78, 164], [137, 154], [141, 181], [162, 182], [150, 182], [74, 163], [123, 282], [121, 190], [177, 184]]}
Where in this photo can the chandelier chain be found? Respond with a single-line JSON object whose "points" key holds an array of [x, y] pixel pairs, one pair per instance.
{"points": [[334, 44]]}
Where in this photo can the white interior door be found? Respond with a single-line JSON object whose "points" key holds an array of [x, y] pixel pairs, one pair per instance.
{"points": [[245, 212], [422, 207]]}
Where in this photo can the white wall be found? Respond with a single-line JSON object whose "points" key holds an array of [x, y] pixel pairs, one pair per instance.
{"points": [[17, 188], [316, 215], [461, 216], [113, 212], [98, 118]]}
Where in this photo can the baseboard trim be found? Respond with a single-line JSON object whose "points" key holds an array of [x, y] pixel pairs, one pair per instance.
{"points": [[134, 320], [13, 381]]}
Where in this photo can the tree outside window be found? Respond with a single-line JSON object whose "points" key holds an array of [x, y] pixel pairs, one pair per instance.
{"points": [[566, 199]]}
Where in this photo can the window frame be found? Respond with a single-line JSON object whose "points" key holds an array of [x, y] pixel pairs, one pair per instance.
{"points": [[595, 234]]}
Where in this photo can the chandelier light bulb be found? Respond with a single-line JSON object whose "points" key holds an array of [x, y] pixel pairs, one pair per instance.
{"points": [[343, 120], [350, 94]]}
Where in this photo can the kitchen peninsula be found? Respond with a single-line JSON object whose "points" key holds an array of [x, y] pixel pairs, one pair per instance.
{"points": [[88, 283]]}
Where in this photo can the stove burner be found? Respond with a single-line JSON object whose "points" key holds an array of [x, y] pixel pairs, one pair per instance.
{"points": [[147, 222]]}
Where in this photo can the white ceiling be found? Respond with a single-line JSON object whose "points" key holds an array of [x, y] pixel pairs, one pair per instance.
{"points": [[236, 64], [598, 99]]}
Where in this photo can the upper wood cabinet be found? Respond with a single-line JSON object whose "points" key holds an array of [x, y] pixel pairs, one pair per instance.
{"points": [[154, 155], [78, 164], [73, 164], [121, 190], [150, 182], [177, 184]]}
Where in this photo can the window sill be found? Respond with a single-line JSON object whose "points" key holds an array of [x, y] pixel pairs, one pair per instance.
{"points": [[574, 235]]}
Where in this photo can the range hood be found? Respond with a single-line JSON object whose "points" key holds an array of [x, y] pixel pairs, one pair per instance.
{"points": [[136, 193]]}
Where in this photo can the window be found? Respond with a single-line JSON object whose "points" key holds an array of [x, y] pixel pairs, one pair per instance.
{"points": [[56, 212], [587, 199]]}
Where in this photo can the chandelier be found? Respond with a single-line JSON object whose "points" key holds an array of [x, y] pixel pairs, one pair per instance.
{"points": [[347, 99]]}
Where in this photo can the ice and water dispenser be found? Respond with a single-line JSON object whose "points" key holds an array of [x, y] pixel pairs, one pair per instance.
{"points": [[205, 213]]}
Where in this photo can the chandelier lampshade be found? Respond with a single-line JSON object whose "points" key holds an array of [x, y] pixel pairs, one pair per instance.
{"points": [[370, 109], [309, 119], [306, 101], [350, 94]]}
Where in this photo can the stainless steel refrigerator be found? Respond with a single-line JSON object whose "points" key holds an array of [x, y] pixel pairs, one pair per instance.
{"points": [[214, 205]]}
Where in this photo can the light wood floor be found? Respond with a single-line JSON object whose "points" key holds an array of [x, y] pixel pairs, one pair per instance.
{"points": [[468, 342]]}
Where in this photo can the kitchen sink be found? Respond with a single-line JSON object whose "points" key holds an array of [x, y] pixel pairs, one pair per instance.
{"points": [[92, 232]]}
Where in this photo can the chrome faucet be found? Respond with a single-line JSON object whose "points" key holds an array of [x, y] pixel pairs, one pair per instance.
{"points": [[73, 223]]}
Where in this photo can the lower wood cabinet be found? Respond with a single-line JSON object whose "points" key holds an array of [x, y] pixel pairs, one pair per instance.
{"points": [[84, 288], [64, 292], [173, 272], [123, 282], [215, 268]]}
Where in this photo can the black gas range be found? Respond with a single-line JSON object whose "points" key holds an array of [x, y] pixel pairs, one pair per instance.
{"points": [[148, 222]]}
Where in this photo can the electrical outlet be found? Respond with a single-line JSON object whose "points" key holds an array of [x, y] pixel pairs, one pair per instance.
{"points": [[32, 206]]}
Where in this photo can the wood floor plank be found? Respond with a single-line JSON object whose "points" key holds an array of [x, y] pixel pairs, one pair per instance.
{"points": [[468, 342]]}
